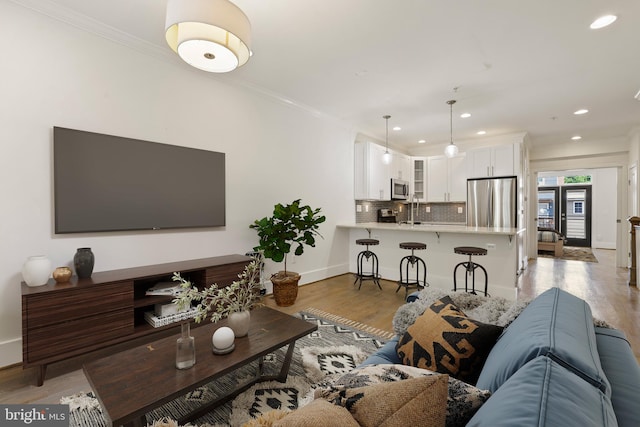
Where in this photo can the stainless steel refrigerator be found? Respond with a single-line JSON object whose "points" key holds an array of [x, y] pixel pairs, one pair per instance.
{"points": [[492, 202]]}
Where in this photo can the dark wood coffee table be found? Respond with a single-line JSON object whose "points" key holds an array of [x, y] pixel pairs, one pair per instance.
{"points": [[131, 383]]}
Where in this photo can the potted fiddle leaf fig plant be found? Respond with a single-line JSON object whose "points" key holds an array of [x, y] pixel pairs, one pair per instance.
{"points": [[290, 226], [233, 301]]}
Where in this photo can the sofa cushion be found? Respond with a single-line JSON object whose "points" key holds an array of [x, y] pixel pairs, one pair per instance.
{"points": [[544, 393], [462, 402], [623, 372], [385, 354], [415, 401], [556, 324], [445, 340]]}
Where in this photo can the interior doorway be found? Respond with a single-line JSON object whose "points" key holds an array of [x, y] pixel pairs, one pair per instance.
{"points": [[565, 205]]}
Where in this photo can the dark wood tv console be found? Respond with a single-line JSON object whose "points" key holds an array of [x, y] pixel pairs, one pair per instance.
{"points": [[63, 320]]}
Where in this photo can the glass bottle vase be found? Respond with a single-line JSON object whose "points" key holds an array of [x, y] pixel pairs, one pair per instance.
{"points": [[185, 348]]}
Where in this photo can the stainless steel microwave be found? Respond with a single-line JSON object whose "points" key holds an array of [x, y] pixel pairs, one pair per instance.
{"points": [[399, 189]]}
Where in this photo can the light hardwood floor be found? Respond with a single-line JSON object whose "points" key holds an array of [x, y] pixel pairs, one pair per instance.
{"points": [[601, 284]]}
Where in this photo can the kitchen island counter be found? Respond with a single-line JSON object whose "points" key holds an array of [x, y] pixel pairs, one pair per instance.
{"points": [[435, 228], [503, 260]]}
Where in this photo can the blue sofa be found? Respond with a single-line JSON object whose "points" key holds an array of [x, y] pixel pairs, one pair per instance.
{"points": [[552, 367]]}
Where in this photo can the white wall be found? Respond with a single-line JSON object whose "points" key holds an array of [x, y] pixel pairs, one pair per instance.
{"points": [[56, 75], [604, 208]]}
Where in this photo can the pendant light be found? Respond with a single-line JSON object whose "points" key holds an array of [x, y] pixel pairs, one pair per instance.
{"points": [[386, 157], [211, 35], [451, 149]]}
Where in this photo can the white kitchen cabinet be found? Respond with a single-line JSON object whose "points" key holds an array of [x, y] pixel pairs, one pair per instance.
{"points": [[372, 175], [447, 179], [501, 160], [418, 181], [400, 166]]}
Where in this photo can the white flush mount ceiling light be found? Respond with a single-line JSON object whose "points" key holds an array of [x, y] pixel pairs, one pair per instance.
{"points": [[211, 35], [465, 115], [481, 132], [386, 157], [451, 149], [576, 137], [603, 21], [581, 112]]}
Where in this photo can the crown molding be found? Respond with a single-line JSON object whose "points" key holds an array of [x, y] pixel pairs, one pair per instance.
{"points": [[93, 26]]}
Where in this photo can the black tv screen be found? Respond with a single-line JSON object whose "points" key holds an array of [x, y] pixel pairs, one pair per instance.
{"points": [[111, 183]]}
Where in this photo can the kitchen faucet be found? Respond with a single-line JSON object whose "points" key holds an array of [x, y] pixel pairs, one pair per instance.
{"points": [[417, 202]]}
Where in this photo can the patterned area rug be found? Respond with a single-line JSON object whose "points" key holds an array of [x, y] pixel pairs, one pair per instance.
{"points": [[572, 253], [337, 346]]}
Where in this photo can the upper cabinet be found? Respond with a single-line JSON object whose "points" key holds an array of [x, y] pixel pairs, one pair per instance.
{"points": [[400, 166], [372, 175], [447, 179], [501, 160], [418, 180]]}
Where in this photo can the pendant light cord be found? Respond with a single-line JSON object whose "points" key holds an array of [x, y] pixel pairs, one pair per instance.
{"points": [[451, 102], [387, 117]]}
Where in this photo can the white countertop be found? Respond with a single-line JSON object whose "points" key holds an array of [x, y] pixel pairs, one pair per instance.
{"points": [[434, 228]]}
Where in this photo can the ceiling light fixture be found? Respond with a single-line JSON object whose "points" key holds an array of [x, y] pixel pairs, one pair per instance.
{"points": [[603, 21], [386, 157], [465, 115], [451, 149], [211, 35], [422, 141], [397, 128], [581, 111], [481, 132], [576, 137]]}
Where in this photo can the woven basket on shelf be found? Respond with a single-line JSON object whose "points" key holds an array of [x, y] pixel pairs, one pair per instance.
{"points": [[285, 287]]}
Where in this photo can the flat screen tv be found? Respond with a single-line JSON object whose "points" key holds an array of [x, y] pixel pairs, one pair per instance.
{"points": [[111, 183]]}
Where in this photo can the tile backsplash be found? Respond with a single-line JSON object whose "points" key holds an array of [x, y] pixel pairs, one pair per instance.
{"points": [[439, 212]]}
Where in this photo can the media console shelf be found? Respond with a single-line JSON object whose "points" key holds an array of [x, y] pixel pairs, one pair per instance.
{"points": [[63, 320]]}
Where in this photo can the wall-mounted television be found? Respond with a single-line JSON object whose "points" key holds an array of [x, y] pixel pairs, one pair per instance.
{"points": [[111, 183]]}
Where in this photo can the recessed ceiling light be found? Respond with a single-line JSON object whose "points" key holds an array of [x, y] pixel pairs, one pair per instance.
{"points": [[481, 132], [422, 141], [397, 128], [576, 137], [603, 21], [581, 111], [465, 115]]}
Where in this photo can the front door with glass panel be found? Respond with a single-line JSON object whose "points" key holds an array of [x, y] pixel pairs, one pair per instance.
{"points": [[576, 215]]}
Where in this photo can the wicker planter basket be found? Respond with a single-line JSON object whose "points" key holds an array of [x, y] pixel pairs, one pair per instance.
{"points": [[285, 287]]}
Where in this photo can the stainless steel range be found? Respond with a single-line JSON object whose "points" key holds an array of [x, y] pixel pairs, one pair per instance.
{"points": [[386, 215]]}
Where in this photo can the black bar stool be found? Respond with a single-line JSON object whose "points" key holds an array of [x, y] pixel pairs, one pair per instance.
{"points": [[416, 263], [470, 268], [365, 256]]}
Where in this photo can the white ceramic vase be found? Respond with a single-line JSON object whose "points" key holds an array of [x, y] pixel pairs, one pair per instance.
{"points": [[36, 270], [239, 322]]}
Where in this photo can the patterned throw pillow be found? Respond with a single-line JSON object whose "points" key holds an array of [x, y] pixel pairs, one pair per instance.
{"points": [[413, 402], [463, 399], [445, 340]]}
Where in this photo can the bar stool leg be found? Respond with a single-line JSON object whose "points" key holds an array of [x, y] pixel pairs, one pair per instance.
{"points": [[373, 275], [405, 281]]}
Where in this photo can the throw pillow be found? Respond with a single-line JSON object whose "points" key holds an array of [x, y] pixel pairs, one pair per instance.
{"points": [[445, 340], [319, 413], [412, 402], [463, 399]]}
